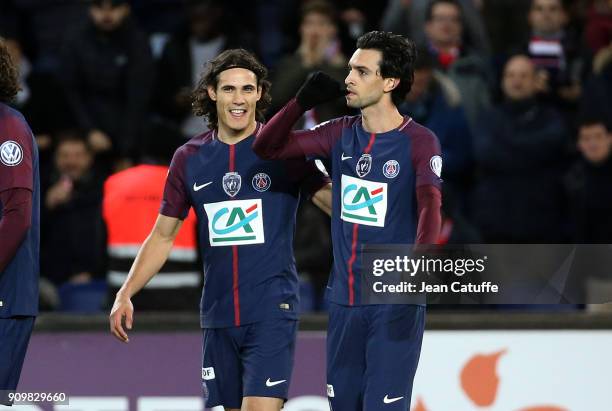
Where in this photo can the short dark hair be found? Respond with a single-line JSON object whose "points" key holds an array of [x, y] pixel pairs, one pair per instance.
{"points": [[594, 119], [322, 7], [203, 105], [113, 3], [9, 77], [71, 135], [398, 59], [432, 4]]}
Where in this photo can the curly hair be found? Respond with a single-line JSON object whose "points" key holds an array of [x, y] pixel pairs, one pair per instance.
{"points": [[201, 102], [9, 77], [398, 59]]}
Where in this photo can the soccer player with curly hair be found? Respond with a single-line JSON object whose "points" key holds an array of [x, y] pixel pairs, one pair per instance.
{"points": [[246, 219], [19, 231]]}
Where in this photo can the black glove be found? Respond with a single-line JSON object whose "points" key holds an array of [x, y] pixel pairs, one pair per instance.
{"points": [[318, 88]]}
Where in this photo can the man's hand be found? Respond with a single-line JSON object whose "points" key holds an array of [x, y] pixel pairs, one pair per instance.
{"points": [[318, 88], [121, 308], [60, 193], [99, 141]]}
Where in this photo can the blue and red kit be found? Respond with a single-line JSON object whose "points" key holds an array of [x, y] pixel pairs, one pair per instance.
{"points": [[19, 243], [386, 190], [246, 210]]}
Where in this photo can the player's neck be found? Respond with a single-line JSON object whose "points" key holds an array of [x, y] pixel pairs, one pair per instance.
{"points": [[230, 136], [381, 117]]}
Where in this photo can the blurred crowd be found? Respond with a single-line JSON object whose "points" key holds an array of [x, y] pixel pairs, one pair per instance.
{"points": [[519, 93]]}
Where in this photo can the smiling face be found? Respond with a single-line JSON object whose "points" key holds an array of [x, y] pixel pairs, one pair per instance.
{"points": [[365, 84], [236, 97]]}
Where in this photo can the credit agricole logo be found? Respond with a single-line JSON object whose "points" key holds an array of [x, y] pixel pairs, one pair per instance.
{"points": [[236, 222], [364, 202]]}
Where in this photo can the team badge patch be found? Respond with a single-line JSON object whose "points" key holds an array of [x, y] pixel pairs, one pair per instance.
{"points": [[364, 165], [391, 169], [11, 153], [435, 163], [232, 183], [261, 182]]}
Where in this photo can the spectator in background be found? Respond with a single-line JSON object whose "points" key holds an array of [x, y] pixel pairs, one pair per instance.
{"points": [[598, 26], [555, 53], [435, 102], [41, 100], [107, 70], [520, 149], [319, 50], [505, 24], [589, 183], [41, 27], [598, 90], [130, 207], [205, 36], [409, 18], [72, 236], [467, 68]]}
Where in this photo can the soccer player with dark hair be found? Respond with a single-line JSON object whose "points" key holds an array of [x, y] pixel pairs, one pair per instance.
{"points": [[19, 231], [246, 210], [383, 164]]}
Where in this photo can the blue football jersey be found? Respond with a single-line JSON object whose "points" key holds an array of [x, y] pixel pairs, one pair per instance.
{"points": [[19, 169], [246, 210], [374, 178]]}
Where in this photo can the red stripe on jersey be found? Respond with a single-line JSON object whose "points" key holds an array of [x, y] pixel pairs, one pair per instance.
{"points": [[351, 261], [377, 191], [251, 208], [232, 158], [232, 167], [370, 144], [235, 287]]}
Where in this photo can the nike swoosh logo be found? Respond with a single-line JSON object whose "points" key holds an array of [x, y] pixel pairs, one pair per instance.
{"points": [[345, 157], [273, 383], [388, 400], [198, 188]]}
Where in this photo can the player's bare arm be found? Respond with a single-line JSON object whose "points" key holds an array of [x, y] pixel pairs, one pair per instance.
{"points": [[323, 199], [148, 262]]}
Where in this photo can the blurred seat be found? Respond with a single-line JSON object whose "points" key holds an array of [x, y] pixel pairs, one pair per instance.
{"points": [[86, 298]]}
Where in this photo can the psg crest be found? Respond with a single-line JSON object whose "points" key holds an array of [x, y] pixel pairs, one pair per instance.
{"points": [[391, 169], [364, 165], [261, 182], [231, 183]]}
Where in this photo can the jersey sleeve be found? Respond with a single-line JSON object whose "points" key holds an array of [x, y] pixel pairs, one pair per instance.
{"points": [[307, 175], [426, 157], [175, 202], [276, 140], [16, 154]]}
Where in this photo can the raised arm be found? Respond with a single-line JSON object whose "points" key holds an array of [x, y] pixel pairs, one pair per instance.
{"points": [[276, 140]]}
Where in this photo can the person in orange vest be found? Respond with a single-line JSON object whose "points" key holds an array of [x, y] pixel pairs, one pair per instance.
{"points": [[130, 207]]}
